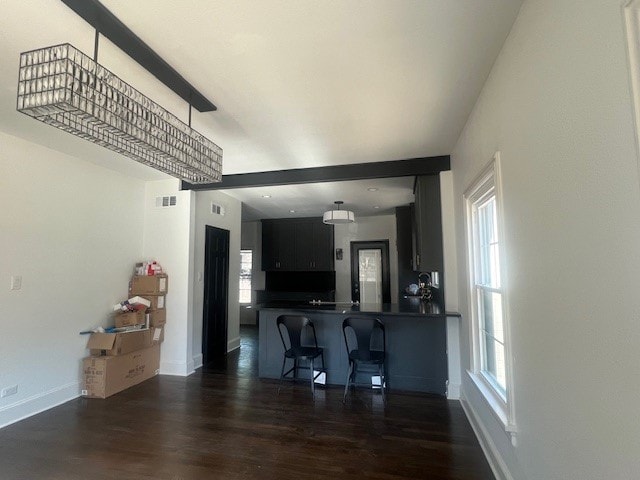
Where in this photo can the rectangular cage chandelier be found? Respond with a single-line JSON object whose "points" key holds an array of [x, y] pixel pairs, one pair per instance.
{"points": [[64, 87]]}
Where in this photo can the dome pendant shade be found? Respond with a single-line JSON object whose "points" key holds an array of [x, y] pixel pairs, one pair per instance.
{"points": [[337, 216]]}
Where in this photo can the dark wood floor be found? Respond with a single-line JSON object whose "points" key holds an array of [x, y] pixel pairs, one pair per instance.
{"points": [[224, 423]]}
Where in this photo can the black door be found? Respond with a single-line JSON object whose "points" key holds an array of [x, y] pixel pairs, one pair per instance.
{"points": [[370, 272], [216, 289]]}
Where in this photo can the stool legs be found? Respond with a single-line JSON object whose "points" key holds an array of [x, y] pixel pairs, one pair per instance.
{"points": [[348, 382], [284, 360], [313, 383], [382, 382]]}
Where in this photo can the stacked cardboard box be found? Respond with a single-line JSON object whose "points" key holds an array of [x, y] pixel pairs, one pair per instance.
{"points": [[154, 289], [122, 359]]}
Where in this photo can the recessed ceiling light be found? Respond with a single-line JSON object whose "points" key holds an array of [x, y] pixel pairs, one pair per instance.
{"points": [[266, 196], [292, 211], [372, 189], [376, 206]]}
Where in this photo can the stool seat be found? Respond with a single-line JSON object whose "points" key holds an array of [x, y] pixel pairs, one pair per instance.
{"points": [[373, 357], [303, 352]]}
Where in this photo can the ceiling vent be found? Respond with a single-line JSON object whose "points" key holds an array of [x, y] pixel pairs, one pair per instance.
{"points": [[169, 201], [217, 209]]}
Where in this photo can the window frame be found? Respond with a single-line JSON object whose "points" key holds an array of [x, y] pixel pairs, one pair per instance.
{"points": [[486, 185], [240, 290]]}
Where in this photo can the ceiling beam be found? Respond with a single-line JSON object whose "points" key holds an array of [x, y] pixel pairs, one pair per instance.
{"points": [[105, 22], [333, 173]]}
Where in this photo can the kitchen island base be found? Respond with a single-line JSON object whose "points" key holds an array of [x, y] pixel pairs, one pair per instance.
{"points": [[416, 347]]}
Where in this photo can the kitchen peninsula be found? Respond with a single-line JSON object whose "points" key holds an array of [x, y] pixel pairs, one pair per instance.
{"points": [[416, 341]]}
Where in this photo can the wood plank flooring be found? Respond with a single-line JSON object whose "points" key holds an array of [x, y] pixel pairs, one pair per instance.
{"points": [[224, 423]]}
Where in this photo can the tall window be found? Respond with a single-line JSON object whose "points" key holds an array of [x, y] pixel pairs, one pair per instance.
{"points": [[246, 258], [490, 347], [488, 289]]}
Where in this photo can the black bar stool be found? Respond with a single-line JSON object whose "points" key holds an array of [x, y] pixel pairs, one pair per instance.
{"points": [[361, 352], [295, 327]]}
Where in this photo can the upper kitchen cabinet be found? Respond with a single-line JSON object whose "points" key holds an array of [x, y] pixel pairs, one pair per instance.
{"points": [[277, 245], [428, 224], [297, 244]]}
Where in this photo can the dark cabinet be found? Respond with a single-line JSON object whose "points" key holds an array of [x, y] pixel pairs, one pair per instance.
{"points": [[405, 223], [428, 254], [303, 247], [277, 243], [322, 246], [297, 244]]}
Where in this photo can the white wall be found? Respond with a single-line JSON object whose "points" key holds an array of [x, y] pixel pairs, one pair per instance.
{"points": [[557, 106], [382, 227], [451, 283], [175, 236], [73, 231], [229, 221], [167, 239], [449, 241]]}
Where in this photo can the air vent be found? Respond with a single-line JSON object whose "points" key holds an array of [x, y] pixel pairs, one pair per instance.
{"points": [[169, 201], [217, 209]]}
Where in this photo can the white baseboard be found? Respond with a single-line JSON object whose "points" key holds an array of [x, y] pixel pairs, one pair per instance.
{"points": [[38, 403], [453, 391], [497, 464], [233, 344], [197, 361], [176, 368]]}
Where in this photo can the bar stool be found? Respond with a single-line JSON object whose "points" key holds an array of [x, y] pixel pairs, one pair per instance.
{"points": [[361, 352], [295, 327]]}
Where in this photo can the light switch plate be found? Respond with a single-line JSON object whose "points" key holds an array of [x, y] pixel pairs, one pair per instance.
{"points": [[16, 282]]}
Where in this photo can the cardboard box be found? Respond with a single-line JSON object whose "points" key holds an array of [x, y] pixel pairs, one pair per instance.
{"points": [[119, 343], [133, 301], [156, 335], [104, 376], [157, 301], [157, 318], [149, 285], [128, 319]]}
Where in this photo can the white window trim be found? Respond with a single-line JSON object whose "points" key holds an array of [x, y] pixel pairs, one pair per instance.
{"points": [[631, 13], [502, 408]]}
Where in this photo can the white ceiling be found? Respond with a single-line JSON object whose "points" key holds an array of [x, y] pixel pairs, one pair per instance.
{"points": [[363, 197], [297, 83]]}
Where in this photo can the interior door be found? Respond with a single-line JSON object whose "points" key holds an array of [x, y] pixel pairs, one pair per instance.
{"points": [[370, 277], [216, 293]]}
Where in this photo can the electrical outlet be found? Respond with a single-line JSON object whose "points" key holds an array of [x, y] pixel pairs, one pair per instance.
{"points": [[9, 391], [16, 282]]}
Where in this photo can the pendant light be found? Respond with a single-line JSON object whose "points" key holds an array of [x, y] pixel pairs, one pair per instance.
{"points": [[337, 216]]}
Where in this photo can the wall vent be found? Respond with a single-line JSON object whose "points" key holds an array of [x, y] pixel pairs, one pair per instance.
{"points": [[169, 201], [217, 209]]}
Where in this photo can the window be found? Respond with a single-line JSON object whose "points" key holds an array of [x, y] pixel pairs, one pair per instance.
{"points": [[491, 369], [246, 258]]}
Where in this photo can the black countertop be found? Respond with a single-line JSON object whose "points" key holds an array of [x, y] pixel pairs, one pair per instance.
{"points": [[412, 306]]}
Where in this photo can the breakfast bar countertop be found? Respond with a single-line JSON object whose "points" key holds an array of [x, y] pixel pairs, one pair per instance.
{"points": [[410, 306]]}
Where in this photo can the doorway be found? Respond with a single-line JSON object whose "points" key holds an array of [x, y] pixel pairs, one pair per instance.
{"points": [[216, 294], [370, 276]]}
